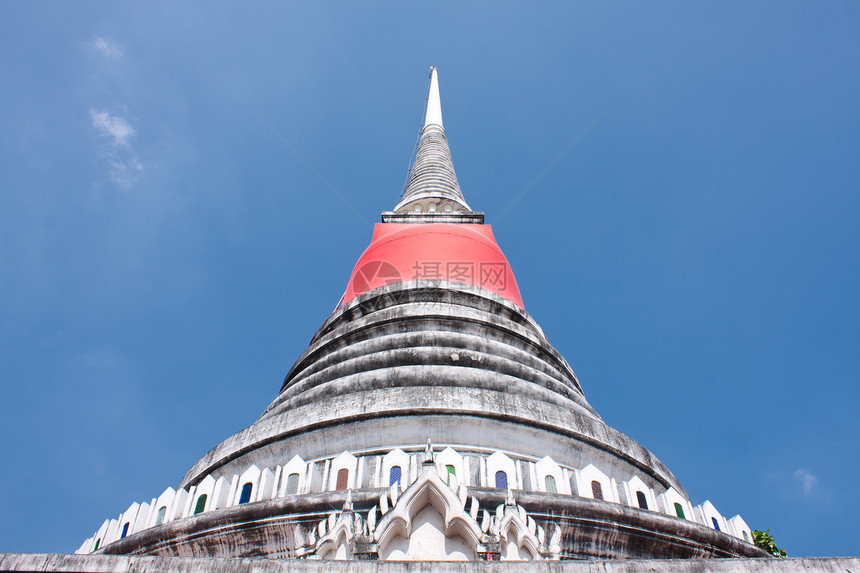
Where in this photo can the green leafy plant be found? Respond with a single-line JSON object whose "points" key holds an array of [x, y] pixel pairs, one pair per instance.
{"points": [[764, 540]]}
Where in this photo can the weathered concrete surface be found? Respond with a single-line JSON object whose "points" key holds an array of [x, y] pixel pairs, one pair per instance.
{"points": [[467, 368], [590, 529], [430, 348], [134, 564]]}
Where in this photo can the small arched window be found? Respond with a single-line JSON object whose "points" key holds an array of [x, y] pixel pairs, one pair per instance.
{"points": [[159, 517], [640, 497], [716, 525], [679, 511], [342, 479], [549, 482], [501, 480], [245, 496], [394, 475], [292, 484], [124, 531], [596, 490], [746, 536], [451, 471], [201, 504], [98, 542]]}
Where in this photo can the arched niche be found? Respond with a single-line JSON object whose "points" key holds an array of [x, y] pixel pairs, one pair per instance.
{"points": [[343, 470], [337, 544], [546, 467], [293, 477], [451, 467], [516, 542], [396, 458], [429, 523]]}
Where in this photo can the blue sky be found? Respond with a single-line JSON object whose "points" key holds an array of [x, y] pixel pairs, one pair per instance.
{"points": [[164, 257]]}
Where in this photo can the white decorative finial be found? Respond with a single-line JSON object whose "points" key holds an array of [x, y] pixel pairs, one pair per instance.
{"points": [[429, 460], [434, 104]]}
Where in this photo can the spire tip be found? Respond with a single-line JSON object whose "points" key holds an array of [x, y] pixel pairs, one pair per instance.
{"points": [[434, 104]]}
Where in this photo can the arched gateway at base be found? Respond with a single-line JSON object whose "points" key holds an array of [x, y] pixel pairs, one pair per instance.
{"points": [[429, 419]]}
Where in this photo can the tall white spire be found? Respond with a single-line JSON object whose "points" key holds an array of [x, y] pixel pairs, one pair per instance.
{"points": [[432, 193], [434, 104]]}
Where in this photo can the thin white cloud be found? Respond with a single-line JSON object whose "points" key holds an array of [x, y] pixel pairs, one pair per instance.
{"points": [[125, 168], [107, 49], [113, 126], [808, 481], [125, 172]]}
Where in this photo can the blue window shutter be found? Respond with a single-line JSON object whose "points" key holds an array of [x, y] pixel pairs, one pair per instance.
{"points": [[245, 496], [394, 475], [501, 480]]}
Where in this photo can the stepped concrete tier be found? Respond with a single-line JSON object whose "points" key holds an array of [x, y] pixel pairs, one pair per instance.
{"points": [[424, 358], [429, 419]]}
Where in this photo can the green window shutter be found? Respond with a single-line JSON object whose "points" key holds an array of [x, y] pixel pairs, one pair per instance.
{"points": [[201, 504]]}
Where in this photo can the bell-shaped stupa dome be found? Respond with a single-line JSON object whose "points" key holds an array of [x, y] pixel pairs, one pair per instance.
{"points": [[429, 419]]}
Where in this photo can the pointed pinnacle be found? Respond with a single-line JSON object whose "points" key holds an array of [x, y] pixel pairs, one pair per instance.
{"points": [[434, 103]]}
